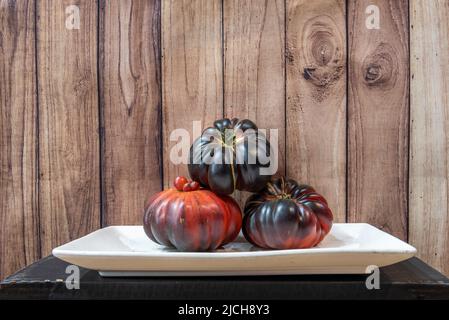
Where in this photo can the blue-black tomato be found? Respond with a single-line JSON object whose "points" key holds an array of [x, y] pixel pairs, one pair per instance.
{"points": [[286, 215], [229, 156]]}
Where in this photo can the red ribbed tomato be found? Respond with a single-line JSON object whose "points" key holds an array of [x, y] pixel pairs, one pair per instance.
{"points": [[190, 218], [286, 215]]}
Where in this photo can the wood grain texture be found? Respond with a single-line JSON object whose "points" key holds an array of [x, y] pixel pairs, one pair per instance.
{"points": [[254, 65], [192, 72], [316, 98], [19, 232], [254, 68], [69, 189], [378, 116], [429, 148], [52, 156], [131, 106]]}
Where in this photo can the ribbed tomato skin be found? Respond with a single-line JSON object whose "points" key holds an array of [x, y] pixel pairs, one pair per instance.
{"points": [[192, 221], [225, 177], [286, 215]]}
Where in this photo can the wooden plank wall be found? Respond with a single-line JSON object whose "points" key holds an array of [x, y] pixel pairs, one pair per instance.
{"points": [[19, 214], [429, 132], [130, 96], [69, 184], [378, 116], [192, 72], [316, 98], [87, 114]]}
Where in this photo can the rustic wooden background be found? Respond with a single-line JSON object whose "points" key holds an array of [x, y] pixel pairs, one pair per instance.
{"points": [[86, 114]]}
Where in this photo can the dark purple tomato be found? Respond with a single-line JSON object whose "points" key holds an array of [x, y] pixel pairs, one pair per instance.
{"points": [[286, 215], [229, 156]]}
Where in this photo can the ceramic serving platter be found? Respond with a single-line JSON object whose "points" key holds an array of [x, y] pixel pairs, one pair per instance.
{"points": [[126, 251]]}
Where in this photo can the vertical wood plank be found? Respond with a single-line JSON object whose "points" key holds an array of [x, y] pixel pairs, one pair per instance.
{"points": [[254, 69], [68, 123], [378, 116], [254, 79], [429, 149], [316, 98], [131, 103], [19, 232], [192, 71]]}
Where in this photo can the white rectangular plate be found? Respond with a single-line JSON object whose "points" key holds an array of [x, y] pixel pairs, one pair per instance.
{"points": [[126, 251]]}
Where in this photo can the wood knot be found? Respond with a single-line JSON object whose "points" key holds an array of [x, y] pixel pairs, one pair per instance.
{"points": [[323, 76], [380, 67], [324, 54], [323, 47], [373, 73], [308, 73]]}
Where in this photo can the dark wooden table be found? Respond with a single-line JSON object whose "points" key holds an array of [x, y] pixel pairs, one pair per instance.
{"points": [[45, 279]]}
